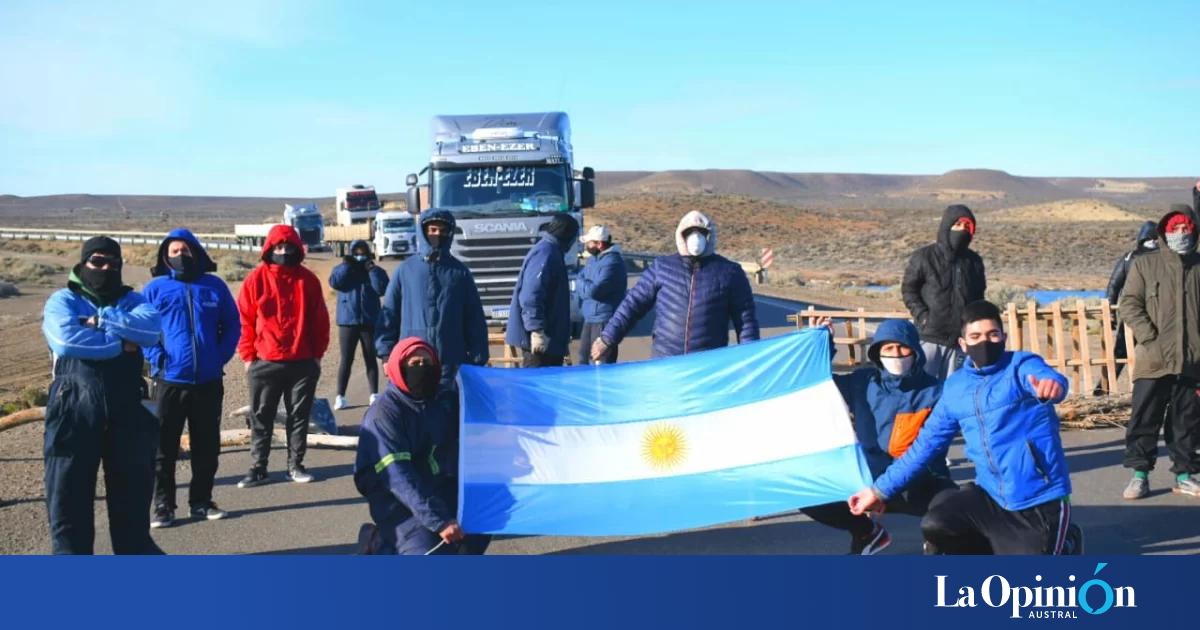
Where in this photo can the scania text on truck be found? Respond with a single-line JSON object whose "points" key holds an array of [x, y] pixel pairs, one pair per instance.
{"points": [[502, 176]]}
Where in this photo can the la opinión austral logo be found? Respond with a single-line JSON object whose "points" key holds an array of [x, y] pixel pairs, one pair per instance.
{"points": [[1039, 600]]}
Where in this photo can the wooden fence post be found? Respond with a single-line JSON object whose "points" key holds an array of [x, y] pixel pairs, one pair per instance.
{"points": [[1085, 350], [1110, 350], [1035, 339], [1014, 327]]}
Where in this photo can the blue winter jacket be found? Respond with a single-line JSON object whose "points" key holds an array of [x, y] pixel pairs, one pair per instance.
{"points": [[601, 286], [542, 298], [890, 410], [695, 301], [359, 290], [401, 466], [1010, 435], [200, 321], [435, 298], [130, 318]]}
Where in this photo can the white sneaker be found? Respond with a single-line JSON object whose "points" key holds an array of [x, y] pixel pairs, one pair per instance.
{"points": [[373, 397], [340, 402]]}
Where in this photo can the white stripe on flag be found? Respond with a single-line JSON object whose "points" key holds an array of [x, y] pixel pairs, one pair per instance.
{"points": [[806, 421]]}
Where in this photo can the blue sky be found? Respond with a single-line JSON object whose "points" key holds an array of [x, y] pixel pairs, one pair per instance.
{"points": [[294, 98]]}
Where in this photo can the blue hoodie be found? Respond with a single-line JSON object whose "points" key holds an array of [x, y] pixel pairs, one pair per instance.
{"points": [[200, 321], [542, 298], [1009, 434], [434, 297], [359, 289], [890, 410]]}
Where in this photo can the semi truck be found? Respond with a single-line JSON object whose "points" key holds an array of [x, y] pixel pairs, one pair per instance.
{"points": [[356, 204], [502, 176], [305, 218], [395, 234]]}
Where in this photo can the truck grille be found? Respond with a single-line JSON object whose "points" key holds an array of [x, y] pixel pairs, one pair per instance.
{"points": [[495, 263]]}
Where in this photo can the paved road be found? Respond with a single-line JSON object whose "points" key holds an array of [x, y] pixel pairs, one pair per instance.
{"points": [[323, 517]]}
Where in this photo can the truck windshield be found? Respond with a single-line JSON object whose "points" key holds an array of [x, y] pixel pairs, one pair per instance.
{"points": [[308, 222], [362, 201], [502, 189], [396, 225]]}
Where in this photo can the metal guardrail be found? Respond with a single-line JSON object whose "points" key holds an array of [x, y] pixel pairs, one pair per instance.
{"points": [[210, 241]]}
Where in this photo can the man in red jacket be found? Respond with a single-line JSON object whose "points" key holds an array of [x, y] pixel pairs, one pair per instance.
{"points": [[285, 332]]}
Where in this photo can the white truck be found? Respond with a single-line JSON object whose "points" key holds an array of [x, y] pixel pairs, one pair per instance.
{"points": [[305, 218], [395, 234], [356, 204]]}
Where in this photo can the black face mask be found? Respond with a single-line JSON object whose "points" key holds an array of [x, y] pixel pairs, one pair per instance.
{"points": [[985, 352], [184, 266], [103, 282], [595, 251], [434, 240], [290, 258], [422, 380], [959, 240]]}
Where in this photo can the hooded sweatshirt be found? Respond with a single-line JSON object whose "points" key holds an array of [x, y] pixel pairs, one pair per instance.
{"points": [[939, 282], [401, 466], [890, 410], [696, 299], [282, 307], [199, 318], [433, 296], [359, 289]]}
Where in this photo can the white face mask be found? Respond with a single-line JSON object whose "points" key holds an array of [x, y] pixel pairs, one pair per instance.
{"points": [[695, 243], [898, 366]]}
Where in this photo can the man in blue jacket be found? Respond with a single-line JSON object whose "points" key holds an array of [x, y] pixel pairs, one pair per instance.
{"points": [[539, 316], [1003, 403], [890, 401], [433, 296], [359, 283], [200, 334], [401, 466], [600, 287], [96, 329], [696, 295]]}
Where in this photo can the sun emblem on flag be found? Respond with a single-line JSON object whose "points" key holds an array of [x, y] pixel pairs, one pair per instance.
{"points": [[664, 446]]}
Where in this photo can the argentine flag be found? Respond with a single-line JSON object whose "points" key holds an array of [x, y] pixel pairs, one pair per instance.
{"points": [[656, 446]]}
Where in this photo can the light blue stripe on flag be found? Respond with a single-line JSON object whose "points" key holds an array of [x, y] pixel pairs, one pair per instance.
{"points": [[656, 446]]}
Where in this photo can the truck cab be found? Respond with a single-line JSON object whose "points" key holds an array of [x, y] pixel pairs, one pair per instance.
{"points": [[356, 204], [502, 176], [395, 234], [307, 221]]}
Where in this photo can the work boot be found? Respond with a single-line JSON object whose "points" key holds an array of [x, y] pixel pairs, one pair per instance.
{"points": [[1138, 488]]}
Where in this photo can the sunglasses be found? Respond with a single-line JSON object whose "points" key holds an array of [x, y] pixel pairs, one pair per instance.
{"points": [[104, 262]]}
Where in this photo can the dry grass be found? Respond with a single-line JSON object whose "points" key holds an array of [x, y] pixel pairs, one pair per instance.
{"points": [[21, 271], [1095, 413]]}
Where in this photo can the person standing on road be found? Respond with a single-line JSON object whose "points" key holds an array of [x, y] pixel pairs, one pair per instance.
{"points": [[433, 296], [96, 329], [285, 332], [401, 466], [359, 283], [600, 288], [1161, 304], [940, 280], [1003, 404], [1145, 241], [539, 316], [696, 295], [890, 401], [200, 335]]}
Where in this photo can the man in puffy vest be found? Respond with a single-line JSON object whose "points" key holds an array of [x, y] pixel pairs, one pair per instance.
{"points": [[285, 332], [695, 293], [96, 329], [200, 334]]}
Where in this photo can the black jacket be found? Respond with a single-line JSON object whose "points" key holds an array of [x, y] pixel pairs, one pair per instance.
{"points": [[1116, 281], [938, 283]]}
